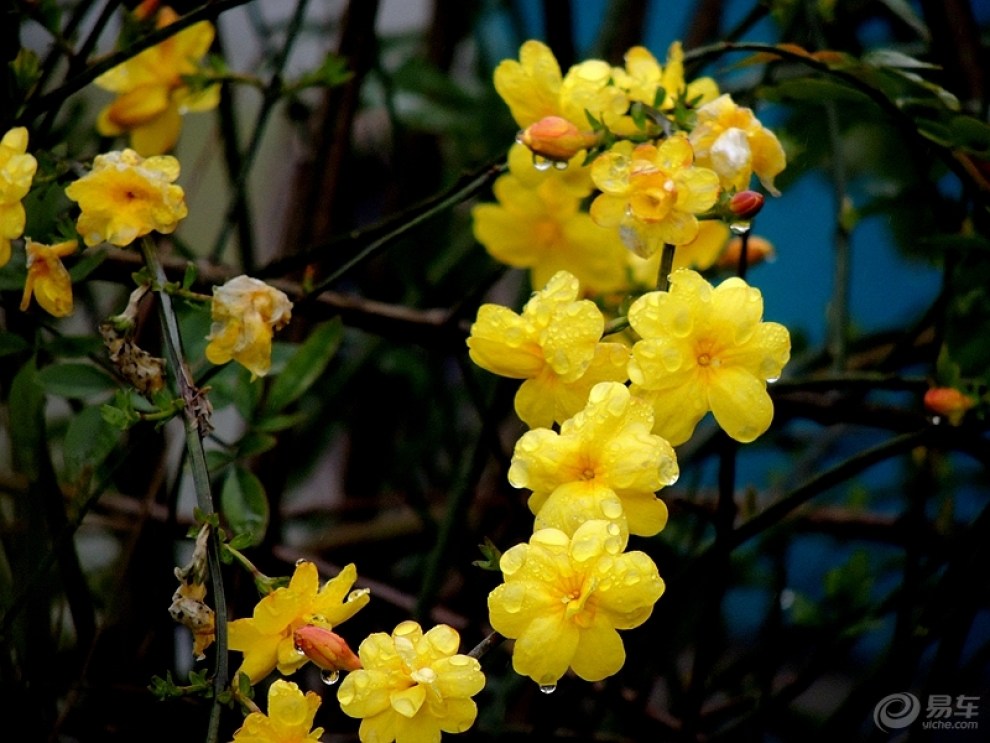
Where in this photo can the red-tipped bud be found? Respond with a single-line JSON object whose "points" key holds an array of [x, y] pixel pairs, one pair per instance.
{"points": [[746, 204], [146, 9], [758, 250], [949, 402], [326, 649], [556, 138]]}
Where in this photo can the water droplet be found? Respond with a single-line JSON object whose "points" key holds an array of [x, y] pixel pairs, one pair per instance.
{"points": [[299, 648], [542, 165], [739, 228], [560, 164], [936, 419], [330, 677], [773, 379], [520, 137], [301, 561], [548, 688]]}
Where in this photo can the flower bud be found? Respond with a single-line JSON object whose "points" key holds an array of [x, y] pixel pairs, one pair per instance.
{"points": [[758, 250], [949, 402], [746, 204], [556, 138], [326, 649]]}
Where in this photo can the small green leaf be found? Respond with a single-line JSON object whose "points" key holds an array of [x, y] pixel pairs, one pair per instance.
{"points": [[27, 430], [244, 504], [897, 60], [305, 366], [11, 344], [255, 442], [89, 440], [81, 381]]}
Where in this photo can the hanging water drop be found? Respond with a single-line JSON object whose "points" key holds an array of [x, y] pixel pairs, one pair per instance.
{"points": [[560, 164], [771, 380], [739, 228], [548, 688], [301, 561], [541, 164], [330, 677]]}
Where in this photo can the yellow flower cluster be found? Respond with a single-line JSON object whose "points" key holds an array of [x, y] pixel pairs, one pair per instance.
{"points": [[289, 719], [637, 157]]}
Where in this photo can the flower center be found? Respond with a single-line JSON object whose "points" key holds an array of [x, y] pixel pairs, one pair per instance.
{"points": [[704, 359]]}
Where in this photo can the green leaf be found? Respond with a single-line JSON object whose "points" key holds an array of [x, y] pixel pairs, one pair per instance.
{"points": [[86, 264], [255, 442], [81, 381], [813, 89], [244, 504], [276, 423], [11, 344], [89, 440], [971, 134], [897, 60], [306, 365], [27, 430]]}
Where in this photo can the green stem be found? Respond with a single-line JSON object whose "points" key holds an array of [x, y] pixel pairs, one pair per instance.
{"points": [[666, 265], [196, 430]]}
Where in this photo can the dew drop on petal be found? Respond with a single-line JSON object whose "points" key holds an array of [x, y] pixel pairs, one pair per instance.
{"points": [[301, 561], [773, 379], [542, 165], [739, 228], [330, 677], [560, 164], [548, 688], [612, 509]]}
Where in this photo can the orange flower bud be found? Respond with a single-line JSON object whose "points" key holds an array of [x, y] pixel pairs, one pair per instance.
{"points": [[949, 402], [326, 649], [146, 9], [556, 138], [746, 204], [757, 251]]}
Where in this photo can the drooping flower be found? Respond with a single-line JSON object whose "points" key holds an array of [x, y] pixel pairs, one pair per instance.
{"points": [[413, 686], [730, 140], [553, 345], [706, 348], [289, 719], [246, 313], [266, 639], [533, 89], [604, 464], [125, 197], [17, 169], [564, 598], [47, 279], [651, 193], [538, 224], [151, 93], [642, 77]]}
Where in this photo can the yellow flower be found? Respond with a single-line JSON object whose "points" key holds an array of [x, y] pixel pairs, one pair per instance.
{"points": [[17, 169], [604, 464], [246, 313], [564, 598], [704, 349], [534, 89], [413, 686], [554, 346], [730, 140], [266, 639], [643, 75], [125, 197], [289, 719], [47, 278], [151, 94], [652, 194], [540, 226]]}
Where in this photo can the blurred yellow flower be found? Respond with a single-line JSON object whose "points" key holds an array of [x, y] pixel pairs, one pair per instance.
{"points": [[533, 89], [651, 194], [730, 140], [47, 279], [17, 169], [246, 313], [540, 226], [553, 345], [564, 598], [151, 92], [266, 639], [604, 464], [289, 719], [413, 686], [125, 197], [706, 348]]}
